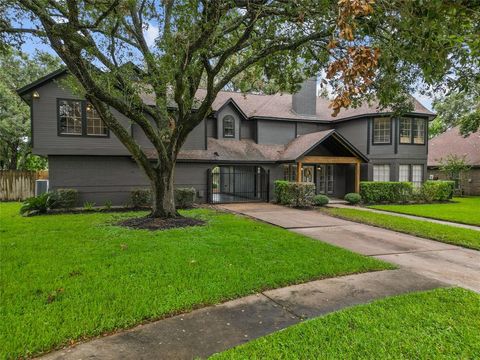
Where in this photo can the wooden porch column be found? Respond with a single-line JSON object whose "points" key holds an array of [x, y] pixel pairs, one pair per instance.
{"points": [[299, 172], [357, 177]]}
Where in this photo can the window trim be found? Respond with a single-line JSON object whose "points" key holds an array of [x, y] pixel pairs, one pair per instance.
{"points": [[83, 104], [389, 172], [425, 129], [373, 131], [233, 126]]}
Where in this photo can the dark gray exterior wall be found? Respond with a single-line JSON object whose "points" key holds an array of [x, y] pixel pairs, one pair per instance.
{"points": [[395, 154], [275, 132], [46, 140], [112, 178]]}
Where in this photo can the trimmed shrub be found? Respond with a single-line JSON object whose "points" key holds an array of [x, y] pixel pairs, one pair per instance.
{"points": [[35, 205], [320, 200], [353, 198], [437, 190], [185, 198], [63, 199], [294, 194], [140, 198], [385, 191]]}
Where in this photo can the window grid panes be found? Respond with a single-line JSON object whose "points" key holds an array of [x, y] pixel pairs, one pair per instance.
{"points": [[329, 179], [381, 172], [417, 178], [419, 131], [381, 130], [95, 125], [70, 114], [405, 131], [228, 126], [290, 172], [321, 170], [404, 173]]}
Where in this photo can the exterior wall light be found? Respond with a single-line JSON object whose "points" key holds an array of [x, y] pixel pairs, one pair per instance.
{"points": [[35, 95]]}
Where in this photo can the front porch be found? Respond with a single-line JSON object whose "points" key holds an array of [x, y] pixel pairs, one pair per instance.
{"points": [[329, 161]]}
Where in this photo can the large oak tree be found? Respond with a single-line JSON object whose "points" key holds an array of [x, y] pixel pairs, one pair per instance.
{"points": [[368, 48]]}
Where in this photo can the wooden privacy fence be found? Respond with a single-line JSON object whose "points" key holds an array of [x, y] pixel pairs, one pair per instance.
{"points": [[18, 185]]}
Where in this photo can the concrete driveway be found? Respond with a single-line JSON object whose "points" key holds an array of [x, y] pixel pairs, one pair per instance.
{"points": [[448, 263]]}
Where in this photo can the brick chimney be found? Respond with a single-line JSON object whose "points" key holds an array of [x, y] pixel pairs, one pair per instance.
{"points": [[304, 102]]}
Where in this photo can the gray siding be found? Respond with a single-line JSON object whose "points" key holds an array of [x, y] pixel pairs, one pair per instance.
{"points": [[112, 178], [309, 127], [247, 129], [211, 127], [45, 127], [275, 132]]}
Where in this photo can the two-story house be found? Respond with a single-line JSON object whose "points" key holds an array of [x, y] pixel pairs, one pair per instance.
{"points": [[238, 152]]}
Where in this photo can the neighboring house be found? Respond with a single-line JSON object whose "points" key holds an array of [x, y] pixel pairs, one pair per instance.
{"points": [[238, 152], [451, 142]]}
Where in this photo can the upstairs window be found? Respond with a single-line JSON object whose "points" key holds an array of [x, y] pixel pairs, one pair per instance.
{"points": [[405, 131], [70, 117], [79, 118], [382, 131], [412, 131], [95, 125], [229, 126], [418, 131]]}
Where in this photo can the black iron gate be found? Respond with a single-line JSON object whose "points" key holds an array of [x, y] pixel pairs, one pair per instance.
{"points": [[230, 184]]}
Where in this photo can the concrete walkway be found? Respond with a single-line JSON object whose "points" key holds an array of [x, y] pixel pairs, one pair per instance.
{"points": [[447, 263], [413, 217], [424, 265], [213, 329]]}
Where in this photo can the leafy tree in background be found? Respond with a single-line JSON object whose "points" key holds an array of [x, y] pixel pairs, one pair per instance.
{"points": [[18, 69], [458, 108], [367, 48], [453, 166]]}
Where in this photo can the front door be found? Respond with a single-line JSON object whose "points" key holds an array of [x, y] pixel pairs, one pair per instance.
{"points": [[325, 179]]}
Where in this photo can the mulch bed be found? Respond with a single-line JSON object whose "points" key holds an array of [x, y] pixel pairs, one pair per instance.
{"points": [[149, 223]]}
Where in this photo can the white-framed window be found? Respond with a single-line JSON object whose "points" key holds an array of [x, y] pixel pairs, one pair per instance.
{"points": [[412, 131], [95, 125], [417, 175], [382, 131], [381, 172], [70, 117], [404, 173], [405, 131], [229, 126], [418, 131]]}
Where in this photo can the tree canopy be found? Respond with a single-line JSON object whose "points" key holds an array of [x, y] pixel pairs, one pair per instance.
{"points": [[119, 50], [18, 69]]}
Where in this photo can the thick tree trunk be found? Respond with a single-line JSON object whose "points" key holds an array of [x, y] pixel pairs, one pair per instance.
{"points": [[163, 199]]}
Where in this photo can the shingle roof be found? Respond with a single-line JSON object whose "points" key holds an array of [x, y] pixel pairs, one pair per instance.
{"points": [[255, 105], [452, 142], [247, 150], [280, 106]]}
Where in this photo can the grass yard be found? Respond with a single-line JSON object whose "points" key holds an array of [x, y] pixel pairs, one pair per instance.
{"points": [[438, 324], [69, 277], [461, 210], [444, 233]]}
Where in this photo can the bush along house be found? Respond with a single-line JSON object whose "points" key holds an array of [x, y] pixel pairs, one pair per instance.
{"points": [[237, 153]]}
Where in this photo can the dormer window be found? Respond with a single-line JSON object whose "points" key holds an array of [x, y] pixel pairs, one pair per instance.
{"points": [[79, 118], [229, 126]]}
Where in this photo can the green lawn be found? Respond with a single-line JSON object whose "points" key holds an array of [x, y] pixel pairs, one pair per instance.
{"points": [[444, 233], [462, 210], [438, 324], [68, 277]]}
